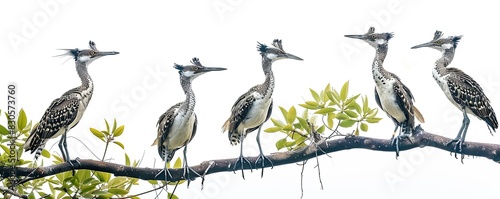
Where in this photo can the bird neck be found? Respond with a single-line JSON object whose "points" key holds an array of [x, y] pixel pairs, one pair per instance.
{"points": [[268, 86], [444, 61], [188, 106], [378, 70], [87, 82]]}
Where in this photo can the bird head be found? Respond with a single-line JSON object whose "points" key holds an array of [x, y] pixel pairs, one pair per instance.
{"points": [[87, 56], [372, 38], [275, 53], [441, 43], [195, 69]]}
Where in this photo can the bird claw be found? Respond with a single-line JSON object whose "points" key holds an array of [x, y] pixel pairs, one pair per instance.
{"points": [[457, 148], [263, 158], [70, 162], [242, 160], [167, 173], [187, 176], [395, 142]]}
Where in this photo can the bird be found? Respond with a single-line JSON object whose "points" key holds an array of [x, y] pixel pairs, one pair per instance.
{"points": [[391, 95], [177, 126], [461, 89], [254, 107], [65, 112]]}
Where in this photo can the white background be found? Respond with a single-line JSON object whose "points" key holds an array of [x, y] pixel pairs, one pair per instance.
{"points": [[139, 84]]}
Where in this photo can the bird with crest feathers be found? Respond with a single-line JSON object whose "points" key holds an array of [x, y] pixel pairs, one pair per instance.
{"points": [[66, 111], [391, 95], [177, 126], [460, 89], [254, 107]]}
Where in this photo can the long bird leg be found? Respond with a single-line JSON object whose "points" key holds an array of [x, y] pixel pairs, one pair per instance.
{"points": [[395, 140], [461, 135], [188, 169], [241, 159], [261, 155], [63, 146]]}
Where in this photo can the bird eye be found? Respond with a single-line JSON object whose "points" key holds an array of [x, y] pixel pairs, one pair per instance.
{"points": [[92, 53], [372, 36]]}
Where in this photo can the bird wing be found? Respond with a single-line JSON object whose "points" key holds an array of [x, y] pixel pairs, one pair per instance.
{"points": [[467, 93], [61, 112], [416, 112], [164, 123], [239, 111], [195, 124], [404, 101]]}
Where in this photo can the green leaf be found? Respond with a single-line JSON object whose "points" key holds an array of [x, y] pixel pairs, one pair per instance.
{"points": [[312, 103], [171, 196], [118, 191], [277, 122], [102, 176], [105, 194], [153, 182], [5, 149], [127, 160], [321, 129], [114, 125], [373, 120], [342, 116], [323, 92], [356, 132], [4, 131], [305, 113], [315, 95], [178, 163], [22, 120], [97, 133], [116, 182], [281, 144], [307, 106], [351, 114], [304, 124], [325, 110], [364, 127], [107, 125], [273, 129], [344, 91], [292, 114], [332, 98], [288, 127], [329, 120], [283, 111], [119, 144], [365, 104], [45, 153], [118, 131], [347, 123]]}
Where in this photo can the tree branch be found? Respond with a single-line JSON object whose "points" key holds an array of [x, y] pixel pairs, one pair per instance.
{"points": [[420, 138]]}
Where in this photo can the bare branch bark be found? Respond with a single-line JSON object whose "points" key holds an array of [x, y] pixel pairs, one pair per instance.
{"points": [[421, 138]]}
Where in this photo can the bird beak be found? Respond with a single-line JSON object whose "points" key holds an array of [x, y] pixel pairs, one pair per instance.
{"points": [[356, 36], [290, 56], [208, 69], [428, 44], [104, 53]]}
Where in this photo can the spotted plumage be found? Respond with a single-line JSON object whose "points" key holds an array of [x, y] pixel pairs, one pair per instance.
{"points": [[177, 126], [391, 95], [254, 107], [66, 111], [462, 91]]}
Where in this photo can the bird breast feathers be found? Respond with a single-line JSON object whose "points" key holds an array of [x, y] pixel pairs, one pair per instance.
{"points": [[181, 130], [389, 102]]}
